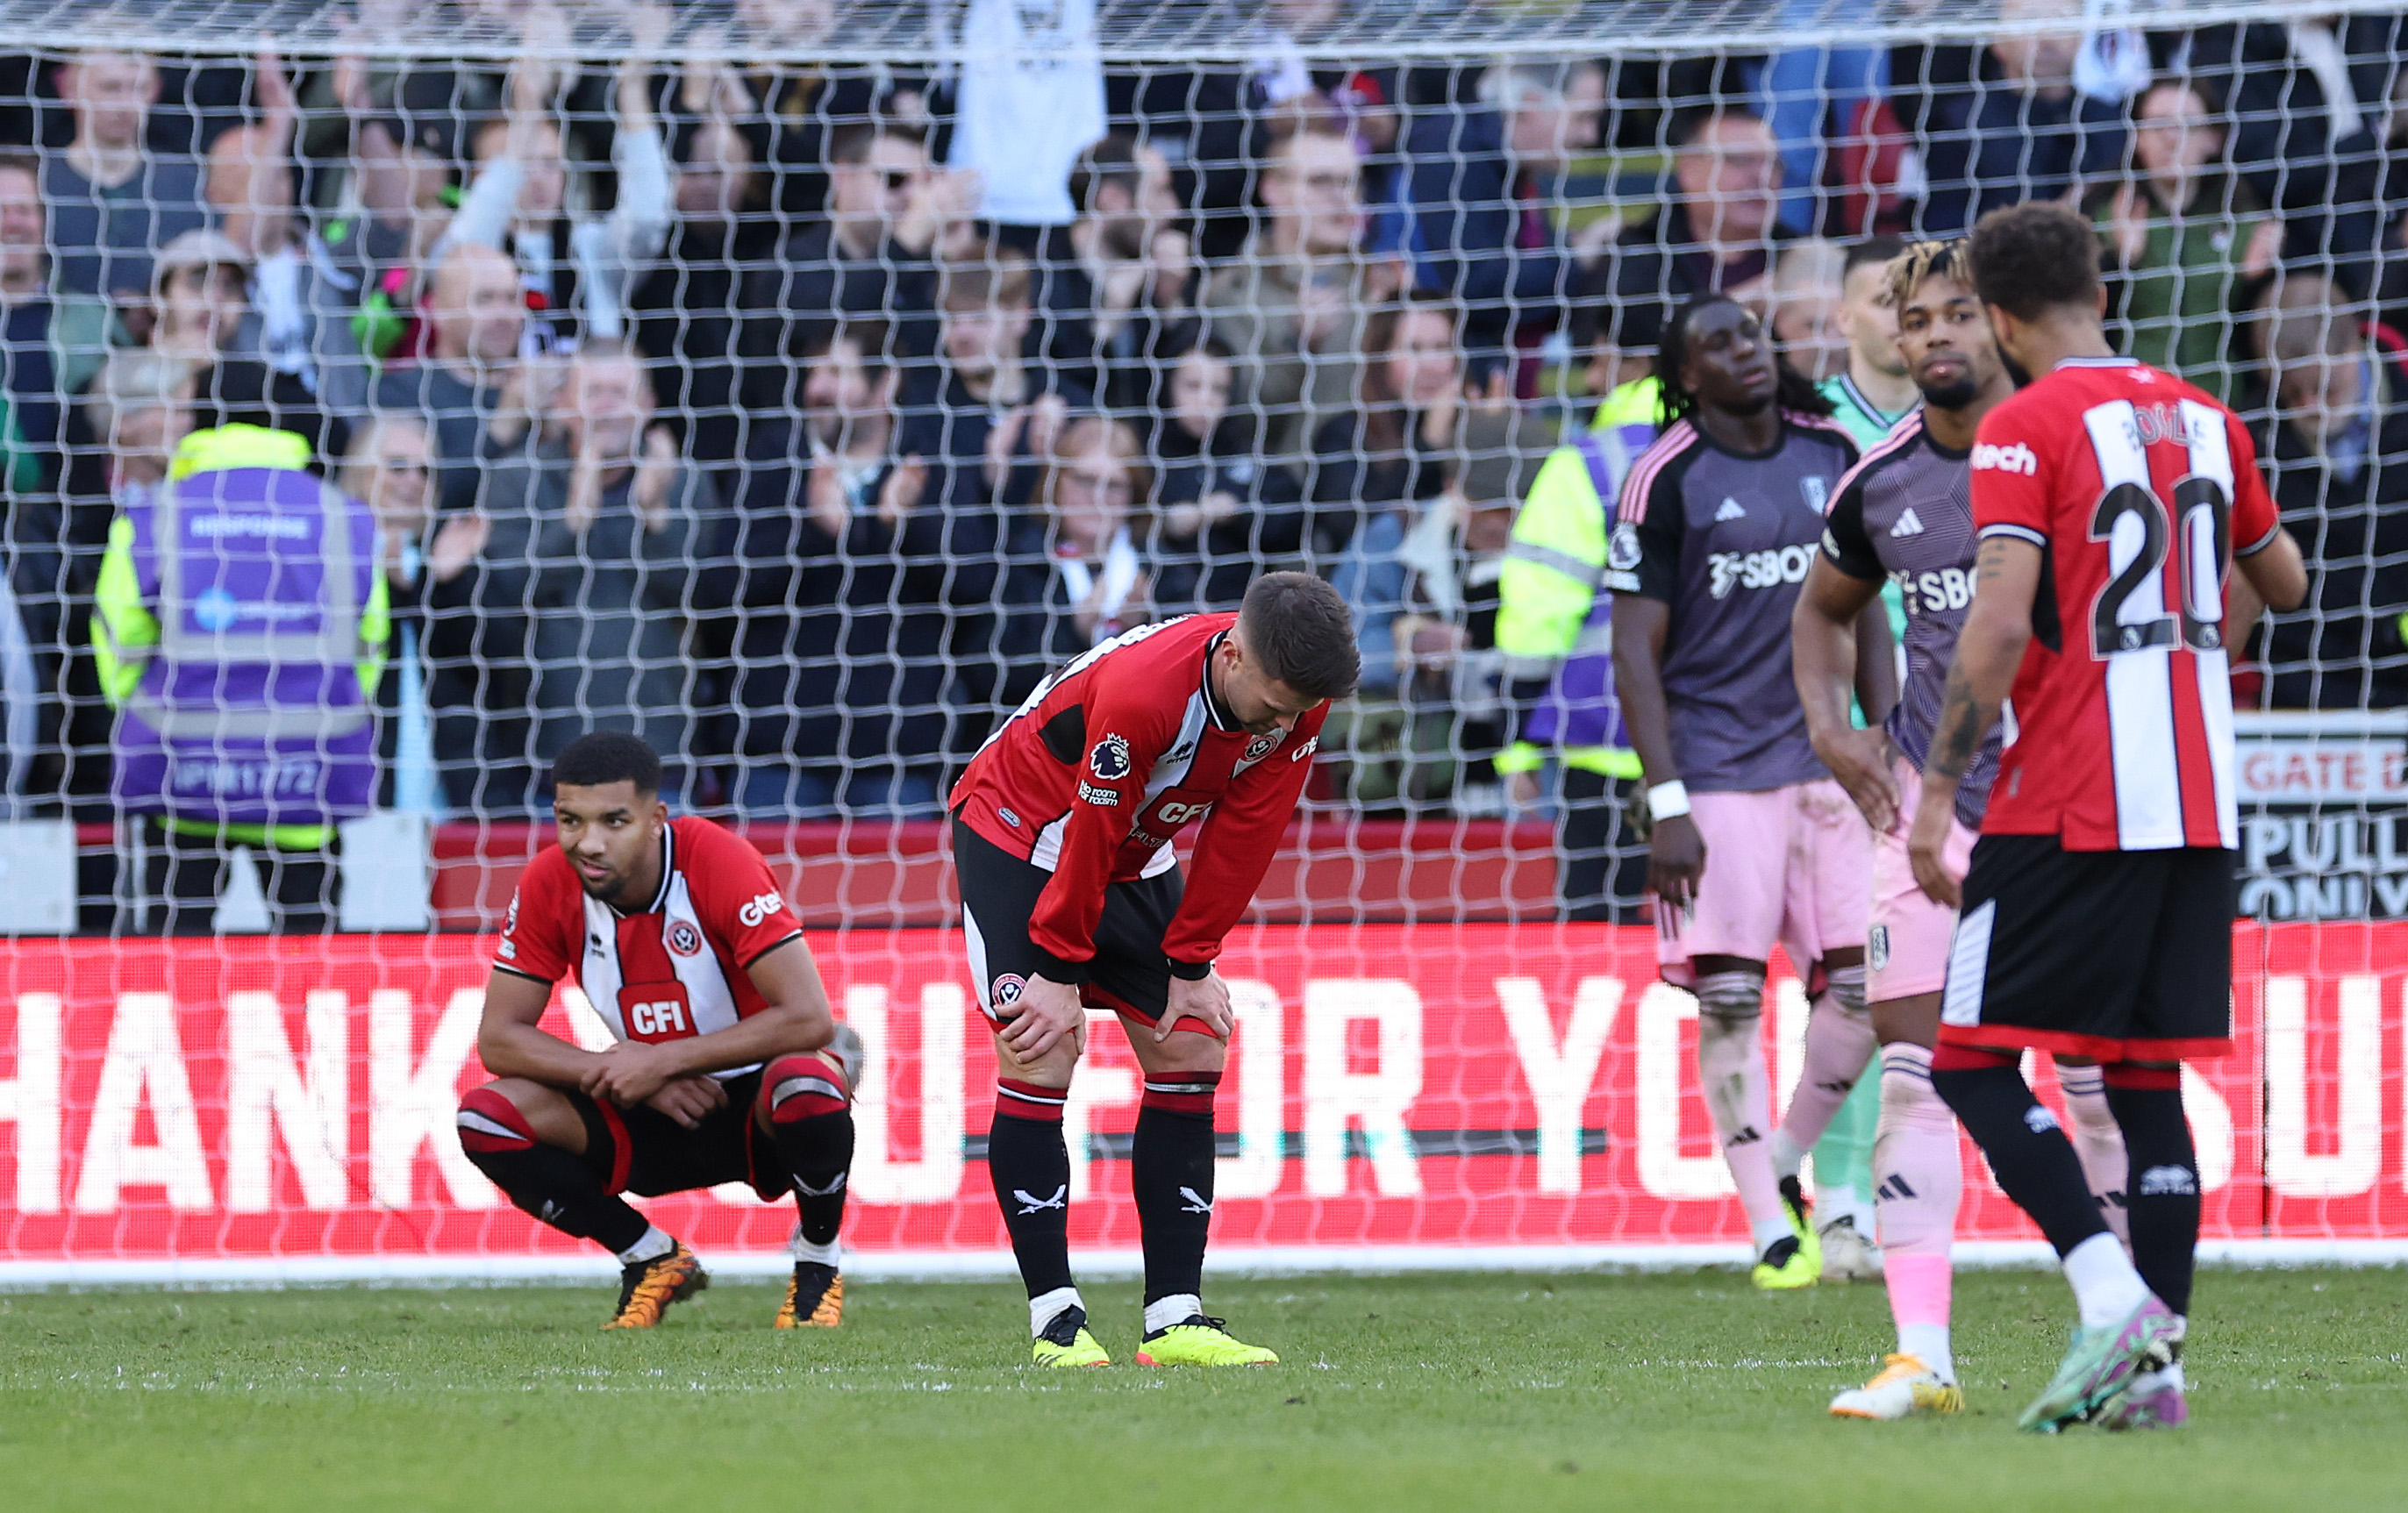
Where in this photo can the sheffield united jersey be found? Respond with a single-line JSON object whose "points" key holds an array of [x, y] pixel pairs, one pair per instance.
{"points": [[2140, 489], [1725, 540], [674, 969], [1906, 513], [1112, 757]]}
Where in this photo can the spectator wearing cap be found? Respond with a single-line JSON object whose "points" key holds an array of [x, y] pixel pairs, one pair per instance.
{"points": [[202, 313], [1485, 184], [2336, 455], [381, 148], [113, 199], [2185, 243], [823, 501], [1717, 231], [364, 118]]}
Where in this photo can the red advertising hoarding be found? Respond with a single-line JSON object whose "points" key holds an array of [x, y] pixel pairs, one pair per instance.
{"points": [[1427, 1089]]}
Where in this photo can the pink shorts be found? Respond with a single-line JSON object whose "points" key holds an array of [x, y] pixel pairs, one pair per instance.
{"points": [[1906, 946], [1788, 865]]}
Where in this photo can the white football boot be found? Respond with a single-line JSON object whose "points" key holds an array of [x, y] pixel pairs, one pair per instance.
{"points": [[1905, 1388], [1848, 1254]]}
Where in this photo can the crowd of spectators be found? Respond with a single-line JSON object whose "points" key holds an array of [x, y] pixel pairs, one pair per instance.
{"points": [[801, 417]]}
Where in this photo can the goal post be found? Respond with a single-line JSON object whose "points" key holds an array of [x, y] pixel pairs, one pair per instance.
{"points": [[795, 381]]}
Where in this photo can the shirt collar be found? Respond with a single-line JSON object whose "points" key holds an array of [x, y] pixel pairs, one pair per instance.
{"points": [[1857, 397], [668, 870], [1221, 716]]}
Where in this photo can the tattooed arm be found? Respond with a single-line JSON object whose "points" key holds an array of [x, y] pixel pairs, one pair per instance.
{"points": [[2006, 577]]}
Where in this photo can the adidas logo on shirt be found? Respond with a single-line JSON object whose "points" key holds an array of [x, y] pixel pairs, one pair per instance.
{"points": [[1730, 511], [1907, 524]]}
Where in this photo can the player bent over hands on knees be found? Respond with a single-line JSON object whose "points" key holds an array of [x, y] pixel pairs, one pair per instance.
{"points": [[726, 1068], [1073, 898]]}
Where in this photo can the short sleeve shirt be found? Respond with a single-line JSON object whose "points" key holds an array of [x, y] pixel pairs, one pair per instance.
{"points": [[675, 969], [1726, 541], [2139, 488]]}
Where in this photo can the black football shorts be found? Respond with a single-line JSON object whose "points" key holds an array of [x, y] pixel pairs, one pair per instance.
{"points": [[653, 1153], [1130, 976], [2114, 955]]}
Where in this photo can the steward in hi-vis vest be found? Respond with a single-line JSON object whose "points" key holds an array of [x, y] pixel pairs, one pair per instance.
{"points": [[1555, 628], [240, 628]]}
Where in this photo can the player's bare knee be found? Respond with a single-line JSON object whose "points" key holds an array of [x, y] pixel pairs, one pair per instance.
{"points": [[512, 1113], [1050, 1070], [1911, 1021], [1181, 1050]]}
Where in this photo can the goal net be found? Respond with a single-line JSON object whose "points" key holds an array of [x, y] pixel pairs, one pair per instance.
{"points": [[796, 382]]}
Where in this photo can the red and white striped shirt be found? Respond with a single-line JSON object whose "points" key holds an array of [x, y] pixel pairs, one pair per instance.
{"points": [[1110, 759], [2140, 489], [674, 969]]}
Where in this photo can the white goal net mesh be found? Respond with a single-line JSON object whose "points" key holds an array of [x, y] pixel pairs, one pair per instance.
{"points": [[794, 382]]}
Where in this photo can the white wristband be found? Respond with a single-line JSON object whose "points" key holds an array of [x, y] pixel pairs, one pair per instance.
{"points": [[1668, 801]]}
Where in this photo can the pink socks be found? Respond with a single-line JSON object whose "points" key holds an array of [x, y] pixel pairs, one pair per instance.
{"points": [[1920, 1178], [1840, 1046]]}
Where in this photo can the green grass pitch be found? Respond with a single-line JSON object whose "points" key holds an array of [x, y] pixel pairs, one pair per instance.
{"points": [[1666, 1392]]}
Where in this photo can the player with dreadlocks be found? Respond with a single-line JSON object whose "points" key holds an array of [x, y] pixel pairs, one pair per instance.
{"points": [[1751, 842]]}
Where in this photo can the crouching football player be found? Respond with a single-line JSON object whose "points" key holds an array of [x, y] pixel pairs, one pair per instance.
{"points": [[1071, 896], [726, 1068]]}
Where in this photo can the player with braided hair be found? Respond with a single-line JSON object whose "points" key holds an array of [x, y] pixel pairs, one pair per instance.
{"points": [[1904, 516], [1716, 532]]}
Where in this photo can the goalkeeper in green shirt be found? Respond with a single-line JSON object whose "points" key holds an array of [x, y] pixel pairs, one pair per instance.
{"points": [[1872, 393]]}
